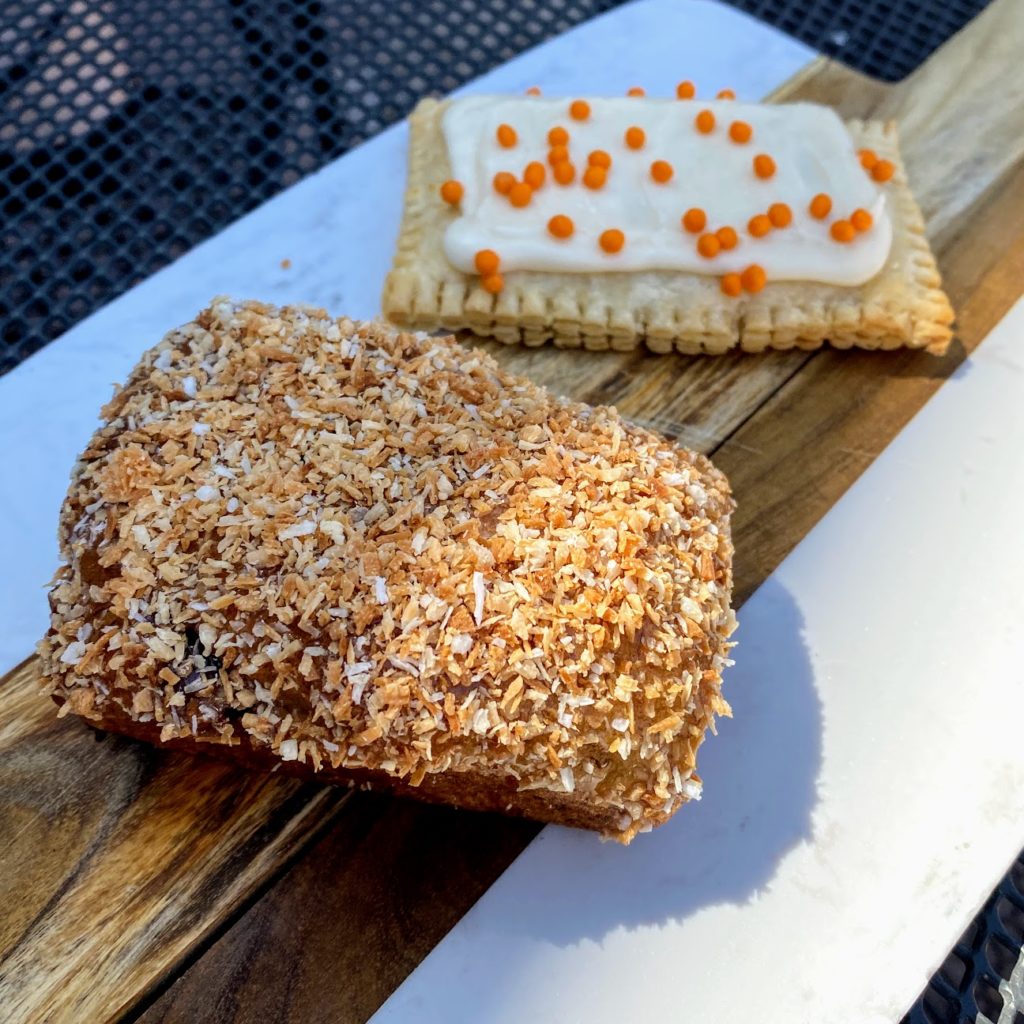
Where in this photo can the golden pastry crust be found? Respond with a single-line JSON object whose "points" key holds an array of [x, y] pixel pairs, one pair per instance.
{"points": [[903, 305], [337, 547]]}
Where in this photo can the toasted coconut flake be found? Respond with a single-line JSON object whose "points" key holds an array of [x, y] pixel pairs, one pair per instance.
{"points": [[462, 643], [480, 595]]}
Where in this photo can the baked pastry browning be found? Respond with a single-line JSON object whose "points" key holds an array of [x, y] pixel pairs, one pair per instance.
{"points": [[901, 305], [344, 550]]}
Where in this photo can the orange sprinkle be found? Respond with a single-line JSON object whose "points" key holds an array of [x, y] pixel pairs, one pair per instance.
{"points": [[821, 206], [760, 225], [594, 177], [612, 240], [579, 110], [556, 154], [635, 137], [731, 284], [486, 262], [534, 174], [764, 165], [685, 91], [558, 136], [705, 122], [451, 192], [599, 158], [708, 246], [564, 172], [694, 220], [868, 158], [740, 131], [780, 215], [506, 135], [636, 90], [727, 237], [493, 283], [883, 170], [753, 278], [534, 90], [725, 94], [661, 171], [503, 181], [861, 220], [561, 226], [842, 231], [520, 194]]}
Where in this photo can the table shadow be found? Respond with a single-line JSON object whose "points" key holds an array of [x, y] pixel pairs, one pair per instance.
{"points": [[760, 775]]}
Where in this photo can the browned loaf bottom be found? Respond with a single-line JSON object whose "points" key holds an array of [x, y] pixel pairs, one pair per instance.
{"points": [[374, 557], [471, 790]]}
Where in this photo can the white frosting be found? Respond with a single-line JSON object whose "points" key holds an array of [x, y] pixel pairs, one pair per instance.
{"points": [[812, 150]]}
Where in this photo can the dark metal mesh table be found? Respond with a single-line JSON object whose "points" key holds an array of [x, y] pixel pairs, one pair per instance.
{"points": [[130, 130]]}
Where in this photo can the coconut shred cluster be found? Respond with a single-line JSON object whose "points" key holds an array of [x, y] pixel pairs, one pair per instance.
{"points": [[377, 550]]}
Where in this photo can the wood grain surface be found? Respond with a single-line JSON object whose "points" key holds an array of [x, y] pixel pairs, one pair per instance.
{"points": [[117, 860], [141, 885]]}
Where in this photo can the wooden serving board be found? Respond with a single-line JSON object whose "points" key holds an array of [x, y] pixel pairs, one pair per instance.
{"points": [[149, 886]]}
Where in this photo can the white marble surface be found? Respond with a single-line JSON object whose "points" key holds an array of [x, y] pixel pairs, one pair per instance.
{"points": [[859, 807], [338, 229]]}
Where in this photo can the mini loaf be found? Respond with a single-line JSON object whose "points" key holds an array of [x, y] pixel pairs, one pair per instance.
{"points": [[371, 556]]}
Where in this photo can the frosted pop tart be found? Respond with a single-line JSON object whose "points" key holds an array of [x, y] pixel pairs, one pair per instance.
{"points": [[688, 225]]}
